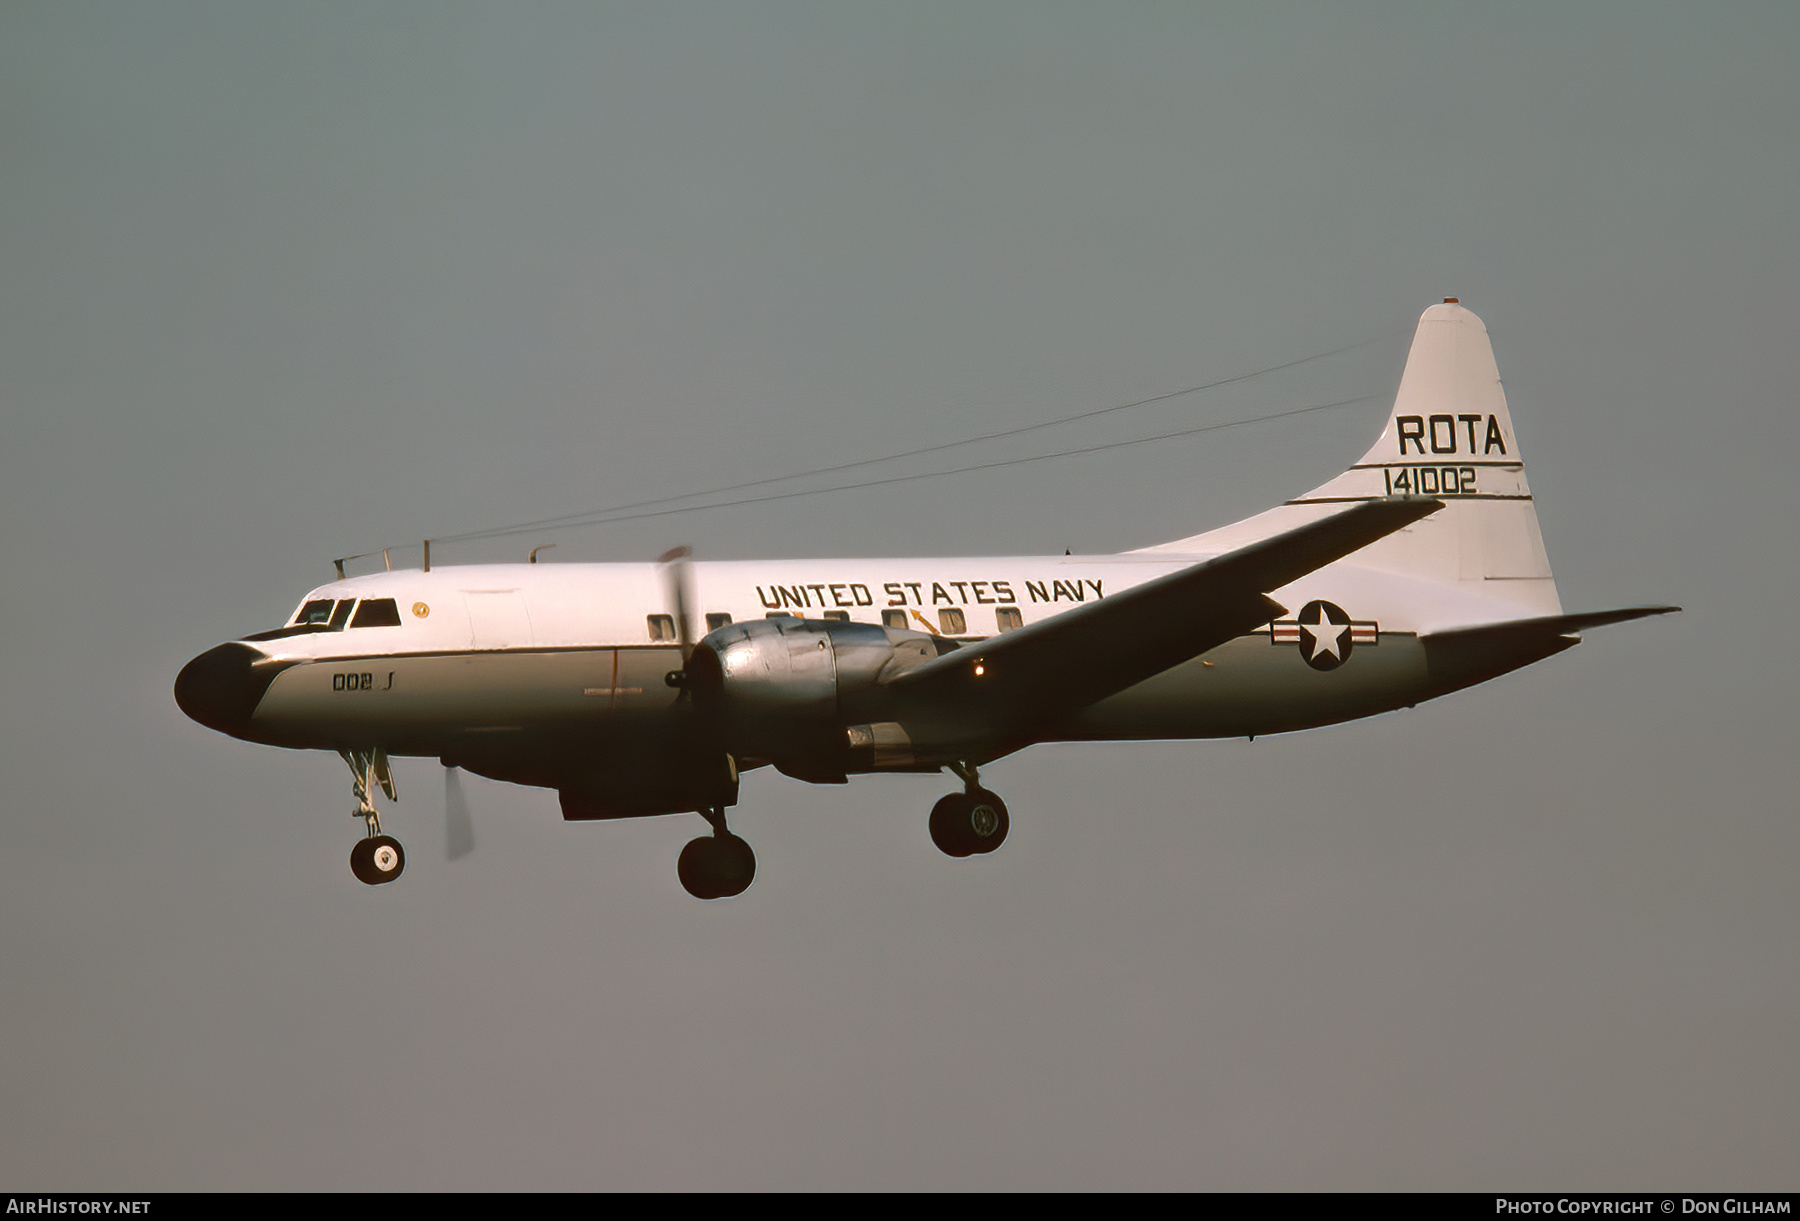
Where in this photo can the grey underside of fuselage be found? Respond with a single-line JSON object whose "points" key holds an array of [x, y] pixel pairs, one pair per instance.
{"points": [[1252, 686], [610, 700]]}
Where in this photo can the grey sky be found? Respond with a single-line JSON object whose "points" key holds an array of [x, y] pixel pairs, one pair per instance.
{"points": [[286, 282]]}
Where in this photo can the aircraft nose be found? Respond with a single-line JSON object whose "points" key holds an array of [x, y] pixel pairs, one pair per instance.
{"points": [[222, 687]]}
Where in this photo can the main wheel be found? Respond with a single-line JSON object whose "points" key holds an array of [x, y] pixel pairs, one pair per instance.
{"points": [[377, 859], [735, 865], [969, 824], [947, 821], [692, 867], [988, 821], [716, 867]]}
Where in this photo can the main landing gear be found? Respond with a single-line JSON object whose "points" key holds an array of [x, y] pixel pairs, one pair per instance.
{"points": [[973, 822], [377, 858], [716, 866]]}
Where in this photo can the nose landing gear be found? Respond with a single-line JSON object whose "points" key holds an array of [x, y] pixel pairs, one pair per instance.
{"points": [[973, 822], [377, 858]]}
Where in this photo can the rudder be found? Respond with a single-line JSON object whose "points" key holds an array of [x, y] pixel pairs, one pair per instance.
{"points": [[1450, 437]]}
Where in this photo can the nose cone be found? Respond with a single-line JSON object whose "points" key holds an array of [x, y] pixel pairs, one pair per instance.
{"points": [[222, 687]]}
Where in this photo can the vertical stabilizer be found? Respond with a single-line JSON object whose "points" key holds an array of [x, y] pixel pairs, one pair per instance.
{"points": [[1450, 437]]}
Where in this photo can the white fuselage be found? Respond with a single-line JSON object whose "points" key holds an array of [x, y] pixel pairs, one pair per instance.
{"points": [[497, 650]]}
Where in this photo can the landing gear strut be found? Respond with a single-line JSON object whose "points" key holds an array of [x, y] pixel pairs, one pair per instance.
{"points": [[377, 858], [716, 866], [973, 822]]}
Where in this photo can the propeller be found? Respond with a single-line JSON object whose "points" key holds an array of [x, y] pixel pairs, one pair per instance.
{"points": [[459, 832], [702, 732], [678, 586]]}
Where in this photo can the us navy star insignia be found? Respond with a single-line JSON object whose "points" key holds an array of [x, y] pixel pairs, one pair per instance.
{"points": [[1324, 635]]}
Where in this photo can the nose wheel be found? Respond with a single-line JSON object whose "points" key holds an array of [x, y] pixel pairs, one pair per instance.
{"points": [[377, 858]]}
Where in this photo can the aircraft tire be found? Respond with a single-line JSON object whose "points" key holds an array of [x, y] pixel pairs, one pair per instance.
{"points": [[377, 859], [969, 824], [735, 865], [987, 822], [948, 820], [692, 868], [716, 867]]}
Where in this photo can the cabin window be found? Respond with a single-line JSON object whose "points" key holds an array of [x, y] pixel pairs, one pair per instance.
{"points": [[1006, 618], [341, 615], [317, 611], [716, 620], [779, 615], [376, 612], [951, 621], [838, 616], [662, 627], [893, 618]]}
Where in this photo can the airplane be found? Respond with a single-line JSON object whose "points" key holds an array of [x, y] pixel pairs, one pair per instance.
{"points": [[636, 689]]}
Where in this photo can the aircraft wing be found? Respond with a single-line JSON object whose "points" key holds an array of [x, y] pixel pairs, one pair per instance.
{"points": [[1008, 683]]}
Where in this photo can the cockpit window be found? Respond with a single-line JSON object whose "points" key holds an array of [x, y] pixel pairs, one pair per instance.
{"points": [[323, 615], [377, 612]]}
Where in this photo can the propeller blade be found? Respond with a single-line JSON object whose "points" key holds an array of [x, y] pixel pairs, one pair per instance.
{"points": [[459, 832], [678, 584]]}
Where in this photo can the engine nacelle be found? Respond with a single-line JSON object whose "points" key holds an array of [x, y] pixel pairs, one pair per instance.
{"points": [[796, 692]]}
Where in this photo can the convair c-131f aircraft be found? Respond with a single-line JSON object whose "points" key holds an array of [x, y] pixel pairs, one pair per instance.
{"points": [[637, 689]]}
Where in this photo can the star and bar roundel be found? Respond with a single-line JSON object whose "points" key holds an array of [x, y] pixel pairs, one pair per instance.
{"points": [[1325, 633]]}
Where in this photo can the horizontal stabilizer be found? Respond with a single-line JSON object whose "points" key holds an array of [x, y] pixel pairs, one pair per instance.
{"points": [[1052, 668], [1462, 656], [1554, 625]]}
